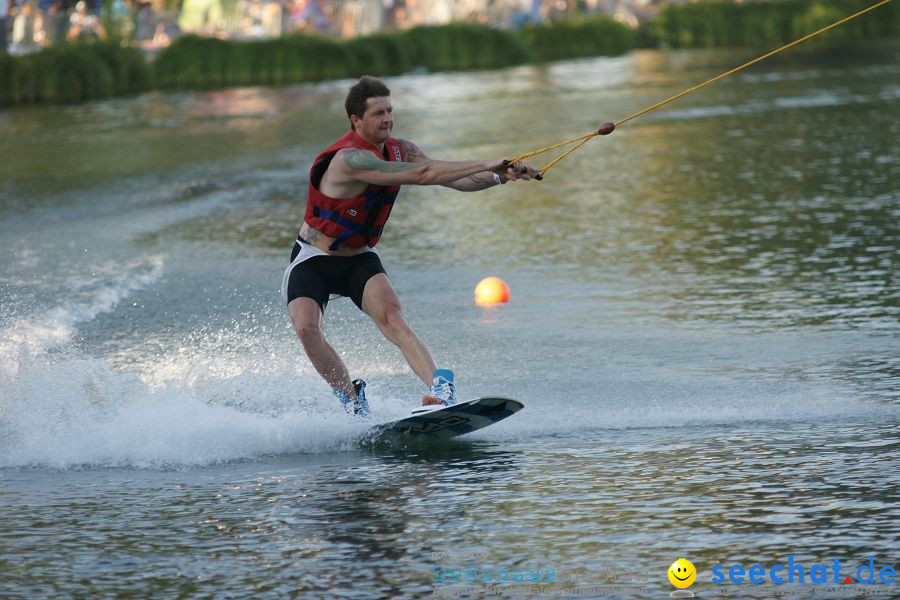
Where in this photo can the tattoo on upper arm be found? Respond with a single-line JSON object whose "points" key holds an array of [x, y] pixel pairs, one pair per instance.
{"points": [[363, 160], [412, 152]]}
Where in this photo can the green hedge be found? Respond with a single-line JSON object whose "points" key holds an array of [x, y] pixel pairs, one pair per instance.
{"points": [[73, 74], [194, 62], [596, 36], [197, 62], [383, 53], [713, 24], [462, 46]]}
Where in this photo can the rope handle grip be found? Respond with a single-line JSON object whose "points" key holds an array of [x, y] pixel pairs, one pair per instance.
{"points": [[508, 163]]}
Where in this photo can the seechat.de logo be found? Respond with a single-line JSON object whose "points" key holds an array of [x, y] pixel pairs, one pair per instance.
{"points": [[795, 572]]}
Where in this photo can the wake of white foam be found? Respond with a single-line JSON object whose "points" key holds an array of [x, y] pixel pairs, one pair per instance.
{"points": [[77, 412]]}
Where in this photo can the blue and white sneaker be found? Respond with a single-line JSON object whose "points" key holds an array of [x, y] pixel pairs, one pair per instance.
{"points": [[443, 388], [358, 406]]}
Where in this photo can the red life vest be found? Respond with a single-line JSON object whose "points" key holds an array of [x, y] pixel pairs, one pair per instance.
{"points": [[353, 221]]}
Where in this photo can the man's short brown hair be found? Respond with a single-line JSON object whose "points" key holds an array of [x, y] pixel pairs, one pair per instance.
{"points": [[367, 87]]}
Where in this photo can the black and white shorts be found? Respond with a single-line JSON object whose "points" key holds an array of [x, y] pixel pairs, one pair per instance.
{"points": [[318, 275]]}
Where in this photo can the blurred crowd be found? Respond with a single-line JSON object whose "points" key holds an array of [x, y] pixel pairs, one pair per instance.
{"points": [[28, 25], [32, 25]]}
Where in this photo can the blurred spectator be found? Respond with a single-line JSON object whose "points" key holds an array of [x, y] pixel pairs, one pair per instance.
{"points": [[56, 20], [259, 19], [120, 18], [27, 30], [160, 39], [83, 25], [248, 18], [358, 17], [394, 13], [271, 19], [163, 35], [203, 17], [312, 16], [4, 13], [144, 23]]}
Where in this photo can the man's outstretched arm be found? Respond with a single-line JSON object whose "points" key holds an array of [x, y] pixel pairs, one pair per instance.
{"points": [[476, 181], [361, 165]]}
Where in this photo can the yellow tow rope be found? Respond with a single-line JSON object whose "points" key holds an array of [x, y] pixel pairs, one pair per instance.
{"points": [[607, 128]]}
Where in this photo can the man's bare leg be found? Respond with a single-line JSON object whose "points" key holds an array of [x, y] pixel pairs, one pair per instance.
{"points": [[380, 302], [307, 319]]}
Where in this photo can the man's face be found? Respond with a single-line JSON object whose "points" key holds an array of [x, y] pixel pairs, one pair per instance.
{"points": [[377, 122]]}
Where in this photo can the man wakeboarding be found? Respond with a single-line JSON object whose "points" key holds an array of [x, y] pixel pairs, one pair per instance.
{"points": [[352, 187]]}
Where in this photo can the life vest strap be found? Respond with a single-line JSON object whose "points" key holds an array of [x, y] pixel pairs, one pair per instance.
{"points": [[352, 227]]}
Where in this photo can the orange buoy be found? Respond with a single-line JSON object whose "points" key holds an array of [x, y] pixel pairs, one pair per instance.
{"points": [[491, 290]]}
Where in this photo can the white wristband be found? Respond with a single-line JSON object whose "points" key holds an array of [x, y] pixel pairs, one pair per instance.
{"points": [[498, 180]]}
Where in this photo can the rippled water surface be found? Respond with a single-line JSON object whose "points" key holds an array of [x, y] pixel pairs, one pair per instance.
{"points": [[703, 329]]}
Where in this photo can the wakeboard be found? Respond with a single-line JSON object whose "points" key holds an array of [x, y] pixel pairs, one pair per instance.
{"points": [[445, 422]]}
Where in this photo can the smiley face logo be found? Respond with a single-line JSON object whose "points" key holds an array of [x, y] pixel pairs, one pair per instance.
{"points": [[682, 573]]}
